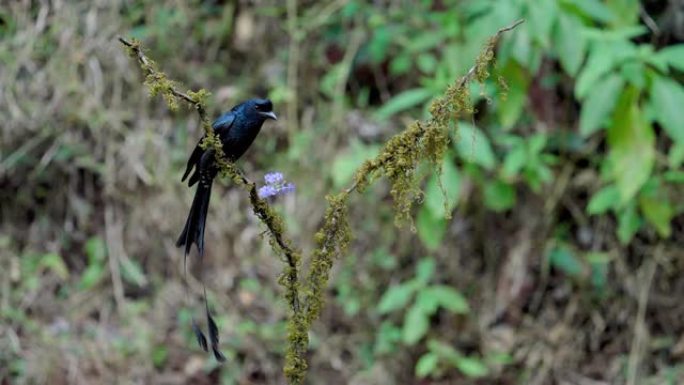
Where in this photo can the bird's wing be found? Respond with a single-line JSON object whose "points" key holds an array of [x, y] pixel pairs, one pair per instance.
{"points": [[223, 123], [221, 127]]}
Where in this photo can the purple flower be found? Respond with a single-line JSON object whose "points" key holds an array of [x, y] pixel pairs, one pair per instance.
{"points": [[267, 191], [275, 185], [273, 178]]}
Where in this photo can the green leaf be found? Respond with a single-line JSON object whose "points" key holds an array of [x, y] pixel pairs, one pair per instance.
{"points": [[673, 56], [667, 101], [54, 262], [472, 367], [403, 101], [427, 302], [628, 224], [673, 176], [387, 338], [426, 62], [594, 9], [498, 196], [95, 249], [132, 272], [605, 199], [632, 152], [511, 107], [603, 58], [425, 270], [626, 11], [416, 324], [599, 268], [431, 230], [395, 297], [449, 298], [515, 160], [474, 146], [676, 155], [91, 276], [434, 199], [570, 44], [542, 16], [658, 211], [599, 104], [426, 364], [564, 260], [634, 72]]}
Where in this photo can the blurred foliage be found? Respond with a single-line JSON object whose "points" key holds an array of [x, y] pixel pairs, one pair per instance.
{"points": [[565, 183]]}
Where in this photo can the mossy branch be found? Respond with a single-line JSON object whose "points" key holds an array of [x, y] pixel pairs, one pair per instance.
{"points": [[158, 83], [398, 161]]}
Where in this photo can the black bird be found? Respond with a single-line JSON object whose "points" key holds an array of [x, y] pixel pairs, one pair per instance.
{"points": [[236, 129]]}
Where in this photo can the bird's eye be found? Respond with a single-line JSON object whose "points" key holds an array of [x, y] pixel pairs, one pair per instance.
{"points": [[256, 107]]}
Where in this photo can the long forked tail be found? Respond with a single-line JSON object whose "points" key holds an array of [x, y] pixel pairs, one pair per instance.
{"points": [[193, 232]]}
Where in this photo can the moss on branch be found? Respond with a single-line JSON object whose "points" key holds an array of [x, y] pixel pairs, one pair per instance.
{"points": [[398, 161]]}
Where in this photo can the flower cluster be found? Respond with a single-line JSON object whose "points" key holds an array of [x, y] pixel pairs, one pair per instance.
{"points": [[275, 185]]}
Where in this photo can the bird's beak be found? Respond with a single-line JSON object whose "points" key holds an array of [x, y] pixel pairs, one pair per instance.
{"points": [[269, 115]]}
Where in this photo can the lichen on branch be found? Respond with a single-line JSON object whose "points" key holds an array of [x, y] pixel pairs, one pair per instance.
{"points": [[421, 141]]}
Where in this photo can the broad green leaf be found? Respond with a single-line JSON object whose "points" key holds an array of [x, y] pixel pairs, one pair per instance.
{"points": [[95, 249], [449, 298], [628, 224], [395, 297], [426, 301], [434, 199], [403, 101], [474, 146], [387, 338], [603, 58], [132, 272], [379, 43], [511, 106], [541, 16], [431, 230], [569, 43], [426, 364], [426, 62], [471, 366], [498, 196], [400, 64], [593, 8], [673, 56], [634, 72], [626, 11], [658, 211], [605, 199], [91, 276], [673, 176], [416, 324], [515, 161], [565, 261], [614, 34], [599, 104], [632, 152], [54, 262], [676, 155], [425, 270], [667, 101]]}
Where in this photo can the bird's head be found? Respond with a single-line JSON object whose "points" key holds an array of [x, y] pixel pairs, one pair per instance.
{"points": [[259, 109]]}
